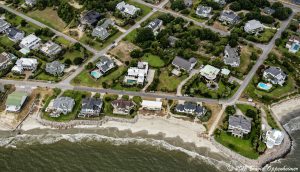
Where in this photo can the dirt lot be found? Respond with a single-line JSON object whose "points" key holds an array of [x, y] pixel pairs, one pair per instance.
{"points": [[215, 108], [122, 51], [219, 26]]}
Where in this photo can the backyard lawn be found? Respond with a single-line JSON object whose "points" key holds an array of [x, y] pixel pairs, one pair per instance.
{"points": [[49, 17], [62, 41], [241, 146], [46, 77], [6, 41], [99, 45], [153, 60], [265, 36], [169, 83]]}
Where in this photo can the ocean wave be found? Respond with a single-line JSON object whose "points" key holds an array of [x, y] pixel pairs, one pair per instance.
{"points": [[27, 139], [293, 125]]}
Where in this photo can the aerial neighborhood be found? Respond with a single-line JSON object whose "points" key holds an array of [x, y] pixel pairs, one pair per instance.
{"points": [[217, 64]]}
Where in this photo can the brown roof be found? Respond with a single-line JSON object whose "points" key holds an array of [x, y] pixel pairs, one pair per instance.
{"points": [[122, 103], [3, 58]]}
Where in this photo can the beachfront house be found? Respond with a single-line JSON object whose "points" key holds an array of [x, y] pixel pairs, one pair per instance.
{"points": [[90, 107], [229, 17], [253, 26], [122, 107], [203, 11], [51, 49], [183, 64], [274, 75], [209, 72], [55, 68], [101, 31], [15, 101], [293, 44], [4, 25], [30, 42], [127, 9], [30, 3], [190, 108], [23, 64], [137, 75], [60, 105], [239, 125], [103, 66], [273, 138], [152, 105], [155, 25], [232, 56], [90, 18], [15, 34]]}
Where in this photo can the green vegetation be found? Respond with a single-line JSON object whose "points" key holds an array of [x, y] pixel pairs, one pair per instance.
{"points": [[245, 107], [270, 119], [169, 82], [153, 60], [5, 40], [47, 77]]}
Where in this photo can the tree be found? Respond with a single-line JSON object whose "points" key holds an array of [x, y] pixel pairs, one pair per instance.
{"points": [[282, 13], [230, 110], [89, 66], [144, 34], [68, 62], [178, 5], [235, 6], [23, 23], [136, 53], [78, 60], [278, 41]]}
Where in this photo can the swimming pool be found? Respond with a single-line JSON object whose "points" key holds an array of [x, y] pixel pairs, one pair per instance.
{"points": [[96, 74], [295, 47], [264, 86]]}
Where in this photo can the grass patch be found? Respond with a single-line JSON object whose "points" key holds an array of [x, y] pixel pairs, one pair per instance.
{"points": [[131, 36], [169, 83], [62, 41], [99, 45], [241, 146], [244, 108], [46, 77], [270, 119], [6, 41], [153, 60], [48, 17]]}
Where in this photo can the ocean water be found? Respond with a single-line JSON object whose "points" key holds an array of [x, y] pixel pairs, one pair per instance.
{"points": [[112, 150]]}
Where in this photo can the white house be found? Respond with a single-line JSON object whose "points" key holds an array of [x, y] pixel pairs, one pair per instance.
{"points": [[253, 26], [151, 105], [30, 42], [210, 72], [30, 3], [4, 25], [203, 11], [127, 9], [137, 75], [25, 64], [274, 138], [293, 44]]}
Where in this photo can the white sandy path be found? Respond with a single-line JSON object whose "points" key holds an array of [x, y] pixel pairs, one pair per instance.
{"points": [[288, 106], [171, 127]]}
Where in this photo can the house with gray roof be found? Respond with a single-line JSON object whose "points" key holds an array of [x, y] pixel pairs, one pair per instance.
{"points": [[220, 2], [51, 49], [238, 125], [203, 11], [155, 25], [15, 34], [231, 56], [253, 26], [6, 59], [275, 75], [60, 105], [55, 68], [90, 107], [4, 25], [172, 41], [268, 10], [190, 108], [188, 3], [105, 64], [122, 107], [229, 17], [30, 3], [183, 64], [90, 18], [102, 30]]}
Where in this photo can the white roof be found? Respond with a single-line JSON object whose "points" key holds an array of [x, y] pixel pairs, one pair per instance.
{"points": [[274, 137], [225, 71], [29, 39], [26, 62], [127, 8], [252, 25], [210, 72], [148, 103]]}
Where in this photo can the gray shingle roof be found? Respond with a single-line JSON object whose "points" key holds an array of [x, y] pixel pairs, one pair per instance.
{"points": [[232, 56], [240, 122], [91, 104], [154, 24], [91, 17], [183, 63], [55, 68]]}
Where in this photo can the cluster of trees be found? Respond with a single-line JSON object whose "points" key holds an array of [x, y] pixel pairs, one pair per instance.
{"points": [[281, 12], [177, 5], [99, 5], [42, 4], [250, 5], [44, 32], [66, 12]]}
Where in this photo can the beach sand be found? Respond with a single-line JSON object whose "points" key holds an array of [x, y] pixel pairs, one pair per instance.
{"points": [[283, 109]]}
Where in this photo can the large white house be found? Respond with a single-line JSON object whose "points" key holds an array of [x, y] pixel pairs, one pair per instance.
{"points": [[25, 64], [210, 72], [274, 75], [127, 9], [30, 42], [253, 26], [274, 138], [137, 75], [151, 105]]}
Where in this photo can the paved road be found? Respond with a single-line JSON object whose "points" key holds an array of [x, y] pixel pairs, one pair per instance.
{"points": [[45, 26], [160, 8]]}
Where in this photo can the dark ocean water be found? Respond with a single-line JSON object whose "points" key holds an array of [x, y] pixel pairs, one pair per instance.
{"points": [[91, 151]]}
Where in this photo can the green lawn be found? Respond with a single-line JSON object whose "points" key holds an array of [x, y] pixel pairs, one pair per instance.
{"points": [[48, 17], [244, 108], [46, 77], [99, 45], [131, 36], [85, 79], [153, 60], [169, 83], [62, 41], [144, 8], [264, 37], [241, 146], [6, 41]]}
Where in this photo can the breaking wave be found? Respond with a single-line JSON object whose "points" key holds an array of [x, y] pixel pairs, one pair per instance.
{"points": [[27, 139]]}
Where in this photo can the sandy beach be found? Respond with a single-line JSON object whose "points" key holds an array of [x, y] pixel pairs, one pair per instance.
{"points": [[284, 108]]}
